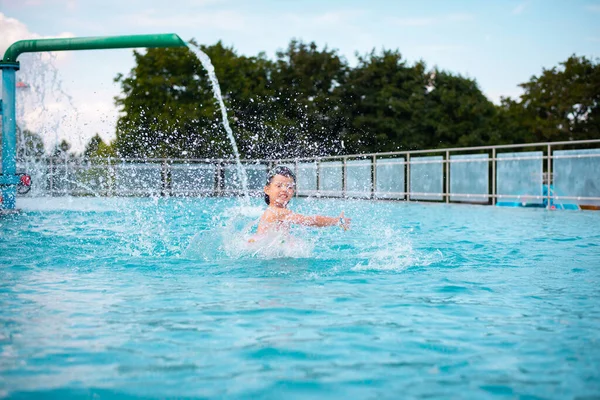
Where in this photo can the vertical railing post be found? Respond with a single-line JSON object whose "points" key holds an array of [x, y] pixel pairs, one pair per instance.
{"points": [[51, 176], [166, 175], [407, 176], [549, 176], [66, 176], [318, 163], [494, 176], [296, 173], [374, 177], [344, 177], [447, 177], [109, 177], [218, 182]]}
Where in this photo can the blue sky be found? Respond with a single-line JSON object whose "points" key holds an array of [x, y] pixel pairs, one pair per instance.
{"points": [[499, 43]]}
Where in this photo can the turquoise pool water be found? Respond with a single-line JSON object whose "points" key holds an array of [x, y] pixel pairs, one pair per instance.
{"points": [[158, 298]]}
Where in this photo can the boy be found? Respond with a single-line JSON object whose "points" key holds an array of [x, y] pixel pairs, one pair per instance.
{"points": [[281, 184]]}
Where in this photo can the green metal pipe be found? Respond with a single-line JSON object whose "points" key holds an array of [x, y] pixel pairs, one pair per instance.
{"points": [[91, 43], [9, 65]]}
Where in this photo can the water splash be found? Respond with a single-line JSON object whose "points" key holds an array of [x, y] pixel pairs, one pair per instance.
{"points": [[207, 64], [43, 107], [392, 249], [233, 237], [42, 104]]}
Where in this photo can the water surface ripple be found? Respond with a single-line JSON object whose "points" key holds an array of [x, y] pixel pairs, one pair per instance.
{"points": [[129, 298]]}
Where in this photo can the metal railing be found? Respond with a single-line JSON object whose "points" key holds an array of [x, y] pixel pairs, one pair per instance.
{"points": [[415, 173]]}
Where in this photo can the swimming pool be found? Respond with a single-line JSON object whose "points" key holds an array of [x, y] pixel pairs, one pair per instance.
{"points": [[153, 297]]}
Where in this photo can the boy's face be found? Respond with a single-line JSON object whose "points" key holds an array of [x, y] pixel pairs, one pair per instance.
{"points": [[280, 190]]}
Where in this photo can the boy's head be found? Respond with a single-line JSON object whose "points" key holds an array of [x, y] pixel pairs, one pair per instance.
{"points": [[281, 183]]}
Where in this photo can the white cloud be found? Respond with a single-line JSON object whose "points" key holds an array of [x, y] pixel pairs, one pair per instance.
{"points": [[430, 21], [98, 116], [412, 21], [459, 17], [436, 48], [14, 30], [336, 17], [32, 3], [593, 7], [333, 21], [69, 4], [222, 19], [519, 9], [44, 106], [204, 2]]}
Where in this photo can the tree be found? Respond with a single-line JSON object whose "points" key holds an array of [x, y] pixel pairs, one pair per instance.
{"points": [[307, 103], [273, 107], [162, 104], [168, 104], [393, 106], [380, 98], [455, 113], [62, 149], [96, 148], [29, 145], [561, 104]]}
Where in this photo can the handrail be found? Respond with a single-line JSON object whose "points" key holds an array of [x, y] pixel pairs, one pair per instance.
{"points": [[218, 175], [443, 150]]}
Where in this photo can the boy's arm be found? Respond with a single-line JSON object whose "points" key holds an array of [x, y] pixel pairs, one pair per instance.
{"points": [[319, 220]]}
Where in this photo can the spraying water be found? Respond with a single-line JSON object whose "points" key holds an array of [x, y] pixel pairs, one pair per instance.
{"points": [[207, 64], [42, 106]]}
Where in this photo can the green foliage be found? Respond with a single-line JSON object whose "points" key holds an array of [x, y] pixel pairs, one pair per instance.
{"points": [[457, 113], [395, 106], [300, 114], [308, 101], [282, 108], [29, 145], [561, 104], [165, 103], [62, 150], [97, 149], [382, 98]]}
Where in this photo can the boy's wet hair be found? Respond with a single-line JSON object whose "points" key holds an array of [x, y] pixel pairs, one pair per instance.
{"points": [[279, 170]]}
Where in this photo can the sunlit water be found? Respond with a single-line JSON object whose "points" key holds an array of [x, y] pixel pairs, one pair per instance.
{"points": [[164, 298]]}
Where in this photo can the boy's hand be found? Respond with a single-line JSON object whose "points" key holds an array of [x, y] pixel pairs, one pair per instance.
{"points": [[344, 222]]}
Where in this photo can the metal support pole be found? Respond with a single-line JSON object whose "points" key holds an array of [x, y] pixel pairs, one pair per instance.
{"points": [[408, 177], [296, 174], [109, 177], [494, 176], [218, 179], [318, 162], [165, 178], [9, 65], [549, 176], [51, 175], [344, 177], [374, 177], [9, 178], [447, 177], [66, 176]]}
